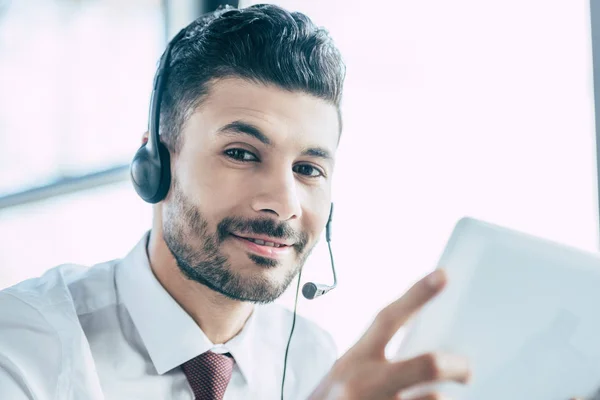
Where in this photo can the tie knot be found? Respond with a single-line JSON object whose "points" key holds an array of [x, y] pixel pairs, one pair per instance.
{"points": [[209, 374]]}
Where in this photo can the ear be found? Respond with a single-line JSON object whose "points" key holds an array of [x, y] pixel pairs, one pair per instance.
{"points": [[144, 138]]}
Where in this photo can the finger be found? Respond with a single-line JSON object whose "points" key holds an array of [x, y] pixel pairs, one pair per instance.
{"points": [[432, 367], [392, 317]]}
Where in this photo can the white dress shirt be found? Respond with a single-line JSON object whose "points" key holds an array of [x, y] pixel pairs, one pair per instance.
{"points": [[113, 332]]}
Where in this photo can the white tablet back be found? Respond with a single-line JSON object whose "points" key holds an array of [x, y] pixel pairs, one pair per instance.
{"points": [[526, 311]]}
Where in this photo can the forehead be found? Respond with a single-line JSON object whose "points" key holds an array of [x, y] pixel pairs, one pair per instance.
{"points": [[284, 116]]}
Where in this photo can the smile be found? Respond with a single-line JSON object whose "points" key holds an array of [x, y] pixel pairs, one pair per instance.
{"points": [[263, 243], [263, 247]]}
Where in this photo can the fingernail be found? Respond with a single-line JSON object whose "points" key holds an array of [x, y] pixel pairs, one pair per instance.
{"points": [[469, 378], [435, 279]]}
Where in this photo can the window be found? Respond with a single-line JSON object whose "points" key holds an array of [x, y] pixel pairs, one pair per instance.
{"points": [[75, 79]]}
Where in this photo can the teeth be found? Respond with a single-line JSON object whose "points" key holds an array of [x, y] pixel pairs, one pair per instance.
{"points": [[263, 243]]}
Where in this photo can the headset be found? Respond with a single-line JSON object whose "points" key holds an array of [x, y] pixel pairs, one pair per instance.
{"points": [[151, 177], [151, 166]]}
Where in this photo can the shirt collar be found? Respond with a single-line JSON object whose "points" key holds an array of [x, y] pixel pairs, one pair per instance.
{"points": [[170, 335], [243, 347]]}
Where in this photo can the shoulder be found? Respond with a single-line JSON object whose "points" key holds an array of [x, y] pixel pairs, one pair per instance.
{"points": [[39, 321], [31, 353], [64, 287], [57, 298]]}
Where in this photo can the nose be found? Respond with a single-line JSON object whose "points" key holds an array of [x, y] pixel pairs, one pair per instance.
{"points": [[278, 195]]}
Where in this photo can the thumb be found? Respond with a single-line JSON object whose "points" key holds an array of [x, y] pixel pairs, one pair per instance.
{"points": [[392, 317]]}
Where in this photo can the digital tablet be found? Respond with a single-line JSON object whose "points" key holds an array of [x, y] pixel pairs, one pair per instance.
{"points": [[524, 310]]}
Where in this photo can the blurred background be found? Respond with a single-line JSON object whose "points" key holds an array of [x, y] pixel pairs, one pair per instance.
{"points": [[453, 108]]}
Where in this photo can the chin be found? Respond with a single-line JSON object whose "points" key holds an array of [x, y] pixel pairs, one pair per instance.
{"points": [[274, 273], [274, 276]]}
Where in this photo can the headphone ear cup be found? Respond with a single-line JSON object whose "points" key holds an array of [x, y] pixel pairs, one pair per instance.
{"points": [[148, 175], [165, 174]]}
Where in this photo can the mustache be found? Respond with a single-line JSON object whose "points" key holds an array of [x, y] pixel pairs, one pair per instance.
{"points": [[266, 227]]}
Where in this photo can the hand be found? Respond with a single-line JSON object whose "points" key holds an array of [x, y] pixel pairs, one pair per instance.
{"points": [[595, 396], [365, 373]]}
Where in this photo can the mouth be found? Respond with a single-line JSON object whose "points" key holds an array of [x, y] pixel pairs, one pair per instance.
{"points": [[265, 241], [265, 247]]}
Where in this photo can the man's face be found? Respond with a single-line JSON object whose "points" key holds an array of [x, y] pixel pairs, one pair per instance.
{"points": [[255, 167]]}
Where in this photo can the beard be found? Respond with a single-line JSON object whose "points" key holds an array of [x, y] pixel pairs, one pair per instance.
{"points": [[199, 257]]}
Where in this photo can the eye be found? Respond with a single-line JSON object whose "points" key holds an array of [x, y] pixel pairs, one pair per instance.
{"points": [[241, 155], [308, 170]]}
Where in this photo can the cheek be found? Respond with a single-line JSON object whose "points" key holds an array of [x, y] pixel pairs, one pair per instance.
{"points": [[211, 186], [316, 219], [318, 201]]}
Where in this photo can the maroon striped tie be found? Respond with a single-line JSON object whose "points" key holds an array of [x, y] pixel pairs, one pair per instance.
{"points": [[209, 375]]}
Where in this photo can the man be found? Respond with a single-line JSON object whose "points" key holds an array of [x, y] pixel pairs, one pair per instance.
{"points": [[250, 122]]}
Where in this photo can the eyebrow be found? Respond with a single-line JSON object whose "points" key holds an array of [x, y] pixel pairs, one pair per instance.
{"points": [[318, 152], [246, 129]]}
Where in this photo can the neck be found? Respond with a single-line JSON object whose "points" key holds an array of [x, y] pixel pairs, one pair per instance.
{"points": [[219, 317]]}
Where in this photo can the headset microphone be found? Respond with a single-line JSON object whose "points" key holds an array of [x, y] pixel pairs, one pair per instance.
{"points": [[312, 290]]}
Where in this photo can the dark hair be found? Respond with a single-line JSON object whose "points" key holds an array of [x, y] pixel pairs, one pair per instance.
{"points": [[264, 44]]}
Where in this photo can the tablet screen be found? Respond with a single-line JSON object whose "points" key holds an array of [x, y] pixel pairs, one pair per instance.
{"points": [[525, 311]]}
